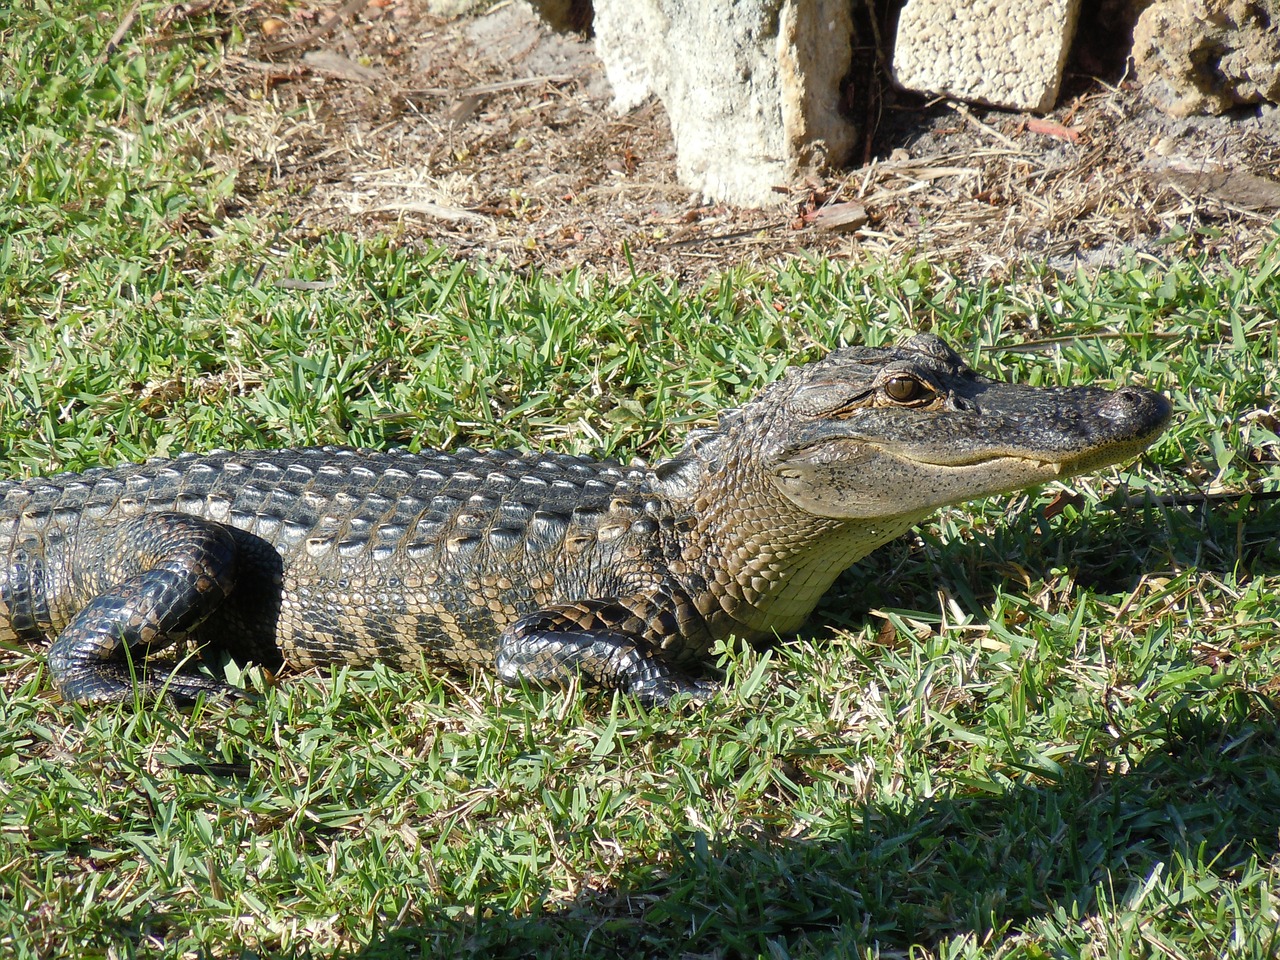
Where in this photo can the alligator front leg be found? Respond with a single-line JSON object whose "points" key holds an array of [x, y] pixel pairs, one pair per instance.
{"points": [[605, 642], [157, 578]]}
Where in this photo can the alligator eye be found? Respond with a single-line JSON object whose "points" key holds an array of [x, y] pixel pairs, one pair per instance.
{"points": [[903, 389]]}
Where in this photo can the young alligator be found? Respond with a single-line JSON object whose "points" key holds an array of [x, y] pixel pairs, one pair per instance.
{"points": [[543, 565]]}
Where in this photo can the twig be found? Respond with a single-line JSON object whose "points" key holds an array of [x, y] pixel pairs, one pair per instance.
{"points": [[961, 109], [486, 88], [1051, 128], [278, 69], [1035, 346], [1200, 499], [125, 25], [715, 238]]}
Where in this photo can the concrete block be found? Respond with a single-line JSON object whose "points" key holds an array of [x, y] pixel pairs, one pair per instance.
{"points": [[752, 88], [1006, 53]]}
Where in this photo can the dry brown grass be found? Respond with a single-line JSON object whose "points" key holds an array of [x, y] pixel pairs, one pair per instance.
{"points": [[493, 137]]}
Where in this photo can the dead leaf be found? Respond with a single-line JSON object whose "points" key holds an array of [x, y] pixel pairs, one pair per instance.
{"points": [[1237, 187], [838, 216], [321, 61], [1061, 500]]}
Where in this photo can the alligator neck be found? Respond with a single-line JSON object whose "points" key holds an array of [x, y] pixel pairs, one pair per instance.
{"points": [[766, 561]]}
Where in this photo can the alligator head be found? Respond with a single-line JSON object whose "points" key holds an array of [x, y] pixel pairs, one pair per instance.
{"points": [[872, 432], [843, 455]]}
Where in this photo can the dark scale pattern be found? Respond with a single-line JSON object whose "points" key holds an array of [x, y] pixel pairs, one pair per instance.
{"points": [[542, 566]]}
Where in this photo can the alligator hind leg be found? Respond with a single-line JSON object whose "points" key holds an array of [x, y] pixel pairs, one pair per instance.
{"points": [[602, 642], [156, 579]]}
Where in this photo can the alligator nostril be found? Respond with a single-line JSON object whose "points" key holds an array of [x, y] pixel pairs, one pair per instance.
{"points": [[1124, 402]]}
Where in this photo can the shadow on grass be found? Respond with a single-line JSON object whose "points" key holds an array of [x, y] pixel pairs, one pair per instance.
{"points": [[1107, 550], [925, 870], [922, 872]]}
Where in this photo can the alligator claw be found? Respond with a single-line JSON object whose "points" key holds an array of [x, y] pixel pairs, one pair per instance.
{"points": [[675, 691]]}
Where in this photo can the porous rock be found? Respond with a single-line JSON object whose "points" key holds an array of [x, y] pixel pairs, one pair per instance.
{"points": [[1006, 53], [1207, 56]]}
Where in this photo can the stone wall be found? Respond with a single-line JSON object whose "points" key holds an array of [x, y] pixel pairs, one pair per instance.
{"points": [[753, 88]]}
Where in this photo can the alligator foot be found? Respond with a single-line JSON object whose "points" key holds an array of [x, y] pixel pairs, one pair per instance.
{"points": [[585, 640], [111, 683], [164, 574]]}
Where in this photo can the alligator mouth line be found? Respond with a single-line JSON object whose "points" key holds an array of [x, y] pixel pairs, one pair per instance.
{"points": [[1032, 464], [1065, 466], [1068, 462]]}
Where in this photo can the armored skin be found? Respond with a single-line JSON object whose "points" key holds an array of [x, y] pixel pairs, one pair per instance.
{"points": [[541, 566]]}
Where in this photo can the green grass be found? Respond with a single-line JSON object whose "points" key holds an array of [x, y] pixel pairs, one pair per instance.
{"points": [[1065, 744]]}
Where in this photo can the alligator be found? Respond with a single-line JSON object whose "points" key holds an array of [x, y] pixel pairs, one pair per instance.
{"points": [[543, 566]]}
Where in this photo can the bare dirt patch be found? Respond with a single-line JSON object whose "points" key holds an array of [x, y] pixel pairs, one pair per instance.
{"points": [[492, 136]]}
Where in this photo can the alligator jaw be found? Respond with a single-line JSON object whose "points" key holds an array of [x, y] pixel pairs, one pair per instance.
{"points": [[962, 435], [828, 485]]}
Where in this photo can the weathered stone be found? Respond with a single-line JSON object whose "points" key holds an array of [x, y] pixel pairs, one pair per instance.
{"points": [[752, 88], [1007, 53], [452, 8], [1207, 56]]}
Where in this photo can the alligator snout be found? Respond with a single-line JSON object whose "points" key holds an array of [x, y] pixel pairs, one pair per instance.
{"points": [[1143, 409]]}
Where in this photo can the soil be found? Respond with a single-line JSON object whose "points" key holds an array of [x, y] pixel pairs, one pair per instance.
{"points": [[493, 136]]}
